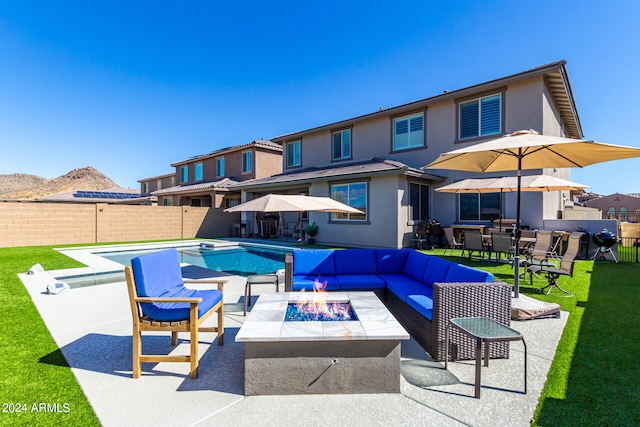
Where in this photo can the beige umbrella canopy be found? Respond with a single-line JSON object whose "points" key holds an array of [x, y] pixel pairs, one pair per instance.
{"points": [[534, 183], [528, 150], [293, 203]]}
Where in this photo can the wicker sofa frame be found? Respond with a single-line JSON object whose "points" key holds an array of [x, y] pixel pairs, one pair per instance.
{"points": [[450, 300]]}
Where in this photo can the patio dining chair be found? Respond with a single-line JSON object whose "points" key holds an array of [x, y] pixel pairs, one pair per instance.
{"points": [[160, 302], [473, 242], [451, 242], [502, 244], [567, 263]]}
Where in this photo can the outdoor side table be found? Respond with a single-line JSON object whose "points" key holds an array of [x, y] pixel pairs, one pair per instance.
{"points": [[485, 331], [258, 279]]}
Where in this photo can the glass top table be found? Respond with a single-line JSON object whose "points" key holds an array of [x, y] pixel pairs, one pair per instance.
{"points": [[484, 330]]}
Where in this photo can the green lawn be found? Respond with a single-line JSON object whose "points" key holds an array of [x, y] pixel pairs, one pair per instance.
{"points": [[593, 379]]}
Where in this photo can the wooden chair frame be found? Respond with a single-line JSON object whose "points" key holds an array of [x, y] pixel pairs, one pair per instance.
{"points": [[142, 323]]}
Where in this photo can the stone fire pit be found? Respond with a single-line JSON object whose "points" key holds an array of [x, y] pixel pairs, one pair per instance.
{"points": [[320, 357]]}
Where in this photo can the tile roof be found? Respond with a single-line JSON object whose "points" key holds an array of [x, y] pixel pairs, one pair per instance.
{"points": [[374, 166], [257, 143], [220, 184]]}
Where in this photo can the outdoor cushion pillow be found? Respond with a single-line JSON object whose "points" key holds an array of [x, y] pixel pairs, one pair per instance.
{"points": [[403, 289], [355, 261], [416, 265], [313, 262], [422, 304], [157, 273], [360, 281], [436, 271], [463, 273], [391, 261], [171, 312]]}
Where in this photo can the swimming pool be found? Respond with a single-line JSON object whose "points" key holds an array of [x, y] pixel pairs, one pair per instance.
{"points": [[241, 260]]}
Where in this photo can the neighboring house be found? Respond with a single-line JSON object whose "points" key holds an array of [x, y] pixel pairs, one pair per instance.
{"points": [[373, 161], [623, 207], [204, 180], [155, 183]]}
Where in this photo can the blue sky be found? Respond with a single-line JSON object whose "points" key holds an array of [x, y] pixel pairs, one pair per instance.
{"points": [[131, 87]]}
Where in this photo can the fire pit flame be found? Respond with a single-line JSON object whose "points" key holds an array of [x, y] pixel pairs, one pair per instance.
{"points": [[318, 308]]}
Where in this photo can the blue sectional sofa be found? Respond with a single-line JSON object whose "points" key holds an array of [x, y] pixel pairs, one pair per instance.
{"points": [[422, 291]]}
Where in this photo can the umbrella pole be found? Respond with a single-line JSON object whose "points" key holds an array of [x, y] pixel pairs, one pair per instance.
{"points": [[516, 267], [301, 236]]}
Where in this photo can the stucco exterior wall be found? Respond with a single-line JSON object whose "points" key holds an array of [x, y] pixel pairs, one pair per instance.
{"points": [[33, 224]]}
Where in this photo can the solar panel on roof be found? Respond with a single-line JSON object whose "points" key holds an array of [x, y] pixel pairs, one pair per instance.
{"points": [[84, 194]]}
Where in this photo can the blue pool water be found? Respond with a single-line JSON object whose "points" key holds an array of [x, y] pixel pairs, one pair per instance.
{"points": [[238, 260]]}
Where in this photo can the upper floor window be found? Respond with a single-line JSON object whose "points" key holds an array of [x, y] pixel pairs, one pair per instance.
{"points": [[293, 154], [184, 174], [408, 132], [247, 161], [145, 187], [198, 172], [159, 184], [481, 116], [173, 181], [353, 194], [220, 166], [342, 144]]}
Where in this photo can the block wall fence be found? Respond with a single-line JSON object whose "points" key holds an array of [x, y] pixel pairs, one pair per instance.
{"points": [[37, 223]]}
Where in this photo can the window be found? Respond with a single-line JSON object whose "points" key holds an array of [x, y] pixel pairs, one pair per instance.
{"points": [[198, 175], [408, 132], [418, 201], [184, 174], [247, 161], [342, 144], [354, 195], [231, 201], [623, 214], [167, 201], [159, 184], [480, 117], [145, 187], [479, 207], [173, 181], [293, 154], [220, 166], [196, 202]]}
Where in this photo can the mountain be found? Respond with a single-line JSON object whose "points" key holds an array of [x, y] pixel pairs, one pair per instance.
{"points": [[19, 186]]}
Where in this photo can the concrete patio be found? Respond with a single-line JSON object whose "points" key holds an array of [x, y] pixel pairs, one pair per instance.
{"points": [[92, 327]]}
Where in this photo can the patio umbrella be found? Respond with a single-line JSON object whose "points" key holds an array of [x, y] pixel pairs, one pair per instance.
{"points": [[293, 203], [534, 183], [528, 150]]}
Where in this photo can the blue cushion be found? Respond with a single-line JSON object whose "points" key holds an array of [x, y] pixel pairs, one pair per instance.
{"points": [[157, 273], [391, 261], [310, 262], [390, 277], [308, 283], [463, 273], [416, 265], [436, 271], [422, 304], [171, 312], [355, 261], [360, 281], [403, 289]]}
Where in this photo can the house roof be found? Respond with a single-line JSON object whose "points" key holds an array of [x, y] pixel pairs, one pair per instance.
{"points": [[221, 184], [153, 178], [260, 143], [555, 75], [374, 166]]}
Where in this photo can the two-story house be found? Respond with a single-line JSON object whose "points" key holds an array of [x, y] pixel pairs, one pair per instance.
{"points": [[373, 161], [204, 180]]}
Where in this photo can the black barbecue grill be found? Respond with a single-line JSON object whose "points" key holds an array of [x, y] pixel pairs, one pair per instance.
{"points": [[604, 240]]}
